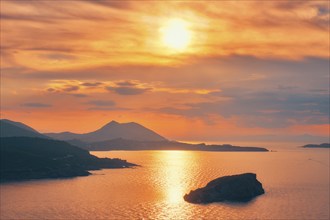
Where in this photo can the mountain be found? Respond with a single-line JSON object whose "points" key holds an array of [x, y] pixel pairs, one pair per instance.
{"points": [[112, 130], [133, 136], [36, 158], [10, 128], [64, 136]]}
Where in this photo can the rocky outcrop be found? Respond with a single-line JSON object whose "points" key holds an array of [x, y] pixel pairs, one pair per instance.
{"points": [[238, 188]]}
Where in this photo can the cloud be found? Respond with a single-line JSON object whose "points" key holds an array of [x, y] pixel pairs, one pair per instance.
{"points": [[102, 103], [125, 90], [126, 83], [113, 4], [50, 90], [58, 56], [261, 109], [71, 88], [79, 95], [266, 68], [129, 87], [91, 84], [269, 29], [104, 108], [36, 105], [121, 87]]}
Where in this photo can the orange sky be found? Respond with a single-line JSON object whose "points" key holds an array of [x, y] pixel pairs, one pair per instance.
{"points": [[250, 68]]}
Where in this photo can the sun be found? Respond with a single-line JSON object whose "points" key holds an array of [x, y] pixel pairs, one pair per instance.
{"points": [[176, 34]]}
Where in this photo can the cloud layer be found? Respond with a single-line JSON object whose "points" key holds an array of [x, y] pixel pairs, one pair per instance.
{"points": [[94, 33], [261, 73]]}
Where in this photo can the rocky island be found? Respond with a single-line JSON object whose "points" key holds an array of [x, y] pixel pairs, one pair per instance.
{"points": [[236, 188], [25, 158]]}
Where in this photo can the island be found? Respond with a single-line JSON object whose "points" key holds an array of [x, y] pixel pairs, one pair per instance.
{"points": [[324, 145], [125, 144], [235, 188], [24, 158]]}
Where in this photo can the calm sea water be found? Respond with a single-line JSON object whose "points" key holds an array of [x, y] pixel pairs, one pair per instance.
{"points": [[296, 184]]}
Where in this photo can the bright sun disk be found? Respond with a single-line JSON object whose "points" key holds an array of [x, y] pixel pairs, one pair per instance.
{"points": [[176, 34]]}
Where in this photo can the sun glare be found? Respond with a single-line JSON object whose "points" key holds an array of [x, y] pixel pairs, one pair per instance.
{"points": [[176, 34]]}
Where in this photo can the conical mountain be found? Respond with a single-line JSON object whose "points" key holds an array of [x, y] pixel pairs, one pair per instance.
{"points": [[112, 130]]}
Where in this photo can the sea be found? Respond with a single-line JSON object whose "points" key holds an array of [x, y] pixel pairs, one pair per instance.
{"points": [[296, 183]]}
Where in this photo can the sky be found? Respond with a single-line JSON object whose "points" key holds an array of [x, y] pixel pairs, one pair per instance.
{"points": [[239, 70]]}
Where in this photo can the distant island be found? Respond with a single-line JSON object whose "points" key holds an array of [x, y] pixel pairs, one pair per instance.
{"points": [[24, 158], [324, 145], [124, 144]]}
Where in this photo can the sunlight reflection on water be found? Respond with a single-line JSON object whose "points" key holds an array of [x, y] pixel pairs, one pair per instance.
{"points": [[173, 176]]}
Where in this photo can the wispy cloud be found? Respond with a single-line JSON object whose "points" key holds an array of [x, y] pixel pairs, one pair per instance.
{"points": [[91, 84], [78, 95], [128, 88], [269, 110], [101, 103], [125, 90], [36, 105], [281, 31]]}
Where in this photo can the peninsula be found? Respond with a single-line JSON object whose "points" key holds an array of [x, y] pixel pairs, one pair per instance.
{"points": [[24, 158]]}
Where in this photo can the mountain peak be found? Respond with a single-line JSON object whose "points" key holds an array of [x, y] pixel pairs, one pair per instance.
{"points": [[113, 130], [111, 123]]}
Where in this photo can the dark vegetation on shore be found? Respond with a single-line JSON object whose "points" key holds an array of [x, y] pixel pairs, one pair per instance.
{"points": [[25, 158]]}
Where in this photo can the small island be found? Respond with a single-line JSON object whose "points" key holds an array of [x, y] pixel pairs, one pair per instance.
{"points": [[235, 188], [24, 158], [324, 145]]}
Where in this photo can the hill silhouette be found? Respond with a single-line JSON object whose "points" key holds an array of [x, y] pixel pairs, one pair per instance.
{"points": [[36, 158], [112, 130], [10, 128]]}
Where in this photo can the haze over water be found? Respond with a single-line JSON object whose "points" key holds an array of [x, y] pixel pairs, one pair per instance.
{"points": [[296, 182]]}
